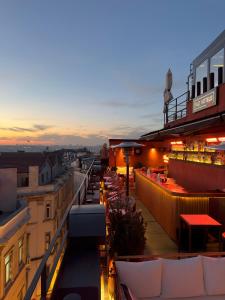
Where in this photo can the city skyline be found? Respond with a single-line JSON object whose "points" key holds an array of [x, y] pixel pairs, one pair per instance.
{"points": [[79, 72]]}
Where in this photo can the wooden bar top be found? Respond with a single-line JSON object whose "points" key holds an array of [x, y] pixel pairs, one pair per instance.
{"points": [[172, 188]]}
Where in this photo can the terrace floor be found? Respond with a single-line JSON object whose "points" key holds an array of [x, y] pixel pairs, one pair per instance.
{"points": [[157, 240]]}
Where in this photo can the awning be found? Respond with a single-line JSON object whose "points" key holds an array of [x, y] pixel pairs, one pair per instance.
{"points": [[87, 221], [186, 129], [220, 147]]}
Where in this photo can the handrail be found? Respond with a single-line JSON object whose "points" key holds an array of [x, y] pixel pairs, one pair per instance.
{"points": [[176, 108], [42, 267], [174, 99]]}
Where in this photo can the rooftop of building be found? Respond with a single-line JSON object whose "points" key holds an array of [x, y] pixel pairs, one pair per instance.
{"points": [[8, 215], [22, 160]]}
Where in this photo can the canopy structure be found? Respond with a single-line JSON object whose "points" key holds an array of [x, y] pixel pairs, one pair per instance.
{"points": [[220, 147], [87, 221], [127, 145]]}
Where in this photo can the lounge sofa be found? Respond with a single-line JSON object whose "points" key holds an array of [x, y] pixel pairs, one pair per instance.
{"points": [[195, 278]]}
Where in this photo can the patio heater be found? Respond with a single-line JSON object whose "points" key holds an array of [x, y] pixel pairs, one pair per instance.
{"points": [[127, 148]]}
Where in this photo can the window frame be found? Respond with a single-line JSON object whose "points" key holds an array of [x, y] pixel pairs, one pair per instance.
{"points": [[48, 210], [8, 278], [47, 240], [21, 251], [222, 49]]}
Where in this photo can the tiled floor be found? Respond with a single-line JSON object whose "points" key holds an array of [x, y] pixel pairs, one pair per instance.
{"points": [[158, 242]]}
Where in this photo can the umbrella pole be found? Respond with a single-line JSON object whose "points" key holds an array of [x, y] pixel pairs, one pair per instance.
{"points": [[127, 175]]}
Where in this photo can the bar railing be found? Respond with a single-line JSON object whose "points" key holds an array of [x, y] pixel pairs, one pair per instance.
{"points": [[41, 272], [176, 108]]}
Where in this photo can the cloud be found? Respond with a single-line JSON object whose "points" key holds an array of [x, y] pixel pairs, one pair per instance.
{"points": [[116, 103], [151, 115], [66, 139], [156, 118], [143, 90], [127, 132], [34, 128], [41, 127], [17, 129]]}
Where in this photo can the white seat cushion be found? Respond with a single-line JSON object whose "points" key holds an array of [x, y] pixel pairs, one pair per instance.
{"points": [[182, 278], [142, 278], [214, 275]]}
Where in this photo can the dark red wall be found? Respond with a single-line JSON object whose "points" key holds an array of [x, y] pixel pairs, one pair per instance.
{"points": [[197, 177], [220, 107]]}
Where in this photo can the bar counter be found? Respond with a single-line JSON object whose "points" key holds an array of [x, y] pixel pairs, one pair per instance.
{"points": [[167, 201]]}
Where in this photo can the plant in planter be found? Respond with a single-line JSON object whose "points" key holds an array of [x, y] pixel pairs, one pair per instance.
{"points": [[138, 165], [126, 232]]}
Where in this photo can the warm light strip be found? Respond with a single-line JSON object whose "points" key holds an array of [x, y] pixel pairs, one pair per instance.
{"points": [[211, 140], [221, 139], [176, 143]]}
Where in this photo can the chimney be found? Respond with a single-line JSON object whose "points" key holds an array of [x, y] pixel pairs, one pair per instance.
{"points": [[8, 189], [33, 176]]}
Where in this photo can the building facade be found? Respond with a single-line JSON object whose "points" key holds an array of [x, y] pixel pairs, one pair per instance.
{"points": [[47, 187], [47, 204], [14, 217]]}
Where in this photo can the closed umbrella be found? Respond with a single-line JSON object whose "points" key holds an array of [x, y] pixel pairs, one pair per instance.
{"points": [[169, 80], [167, 92]]}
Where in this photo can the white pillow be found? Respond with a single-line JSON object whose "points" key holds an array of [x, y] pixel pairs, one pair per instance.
{"points": [[214, 275], [142, 278], [182, 278]]}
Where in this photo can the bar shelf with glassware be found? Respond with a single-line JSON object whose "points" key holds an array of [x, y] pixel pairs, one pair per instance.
{"points": [[206, 157]]}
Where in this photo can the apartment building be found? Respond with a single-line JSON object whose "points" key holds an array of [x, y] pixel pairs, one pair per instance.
{"points": [[14, 217], [48, 188]]}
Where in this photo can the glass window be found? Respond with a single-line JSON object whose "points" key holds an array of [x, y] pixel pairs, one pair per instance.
{"points": [[217, 65], [47, 240], [48, 211], [8, 268], [42, 178], [20, 251], [201, 73]]}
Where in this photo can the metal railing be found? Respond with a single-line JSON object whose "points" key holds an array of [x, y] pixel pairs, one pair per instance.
{"points": [[176, 108], [41, 272]]}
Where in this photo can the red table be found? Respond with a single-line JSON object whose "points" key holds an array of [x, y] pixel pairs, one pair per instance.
{"points": [[198, 221]]}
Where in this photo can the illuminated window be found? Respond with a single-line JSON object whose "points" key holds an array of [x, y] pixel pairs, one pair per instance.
{"points": [[47, 240], [8, 268], [201, 74], [217, 66], [20, 244]]}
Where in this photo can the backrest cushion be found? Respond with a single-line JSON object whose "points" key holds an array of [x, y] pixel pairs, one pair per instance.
{"points": [[214, 275], [182, 278], [142, 278]]}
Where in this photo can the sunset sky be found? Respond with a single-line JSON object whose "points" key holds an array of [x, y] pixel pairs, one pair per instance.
{"points": [[81, 71]]}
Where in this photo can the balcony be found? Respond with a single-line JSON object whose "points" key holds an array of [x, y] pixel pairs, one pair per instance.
{"points": [[11, 221]]}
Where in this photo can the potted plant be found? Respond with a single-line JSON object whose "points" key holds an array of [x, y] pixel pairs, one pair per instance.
{"points": [[126, 231]]}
